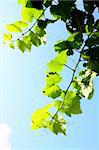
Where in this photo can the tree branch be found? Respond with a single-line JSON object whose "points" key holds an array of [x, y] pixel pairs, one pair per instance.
{"points": [[31, 26], [74, 71]]}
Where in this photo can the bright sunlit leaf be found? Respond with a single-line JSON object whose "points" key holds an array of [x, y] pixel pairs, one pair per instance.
{"points": [[57, 64], [21, 24], [7, 37], [13, 28], [40, 116]]}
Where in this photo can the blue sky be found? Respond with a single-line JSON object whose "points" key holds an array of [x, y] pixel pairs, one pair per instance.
{"points": [[21, 83]]}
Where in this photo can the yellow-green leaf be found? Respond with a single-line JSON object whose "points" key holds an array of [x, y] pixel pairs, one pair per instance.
{"points": [[57, 64], [13, 28], [37, 13], [21, 45], [53, 91], [23, 2], [52, 78], [27, 14], [11, 45], [39, 116], [71, 38], [21, 24], [72, 103], [7, 37]]}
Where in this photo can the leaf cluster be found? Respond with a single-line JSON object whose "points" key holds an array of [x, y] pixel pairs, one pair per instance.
{"points": [[31, 30]]}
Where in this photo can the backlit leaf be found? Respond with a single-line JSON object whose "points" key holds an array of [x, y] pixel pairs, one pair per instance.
{"points": [[23, 2], [57, 64], [53, 91], [13, 28], [7, 37], [37, 13], [85, 84], [70, 104], [21, 24], [11, 45], [71, 38], [21, 45], [58, 126], [40, 116], [34, 39], [26, 14], [52, 78], [39, 32], [26, 39]]}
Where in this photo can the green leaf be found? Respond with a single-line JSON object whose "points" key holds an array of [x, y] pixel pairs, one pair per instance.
{"points": [[47, 3], [11, 45], [26, 14], [34, 39], [23, 2], [87, 30], [40, 116], [27, 40], [7, 37], [74, 41], [86, 57], [94, 65], [70, 104], [53, 91], [85, 84], [37, 13], [21, 24], [57, 12], [52, 78], [89, 23], [25, 44], [34, 4], [43, 23], [56, 128], [60, 46], [29, 13], [21, 45], [91, 93], [92, 41], [13, 28], [57, 64], [39, 32], [71, 38], [58, 125], [95, 34], [57, 104], [70, 52], [62, 10]]}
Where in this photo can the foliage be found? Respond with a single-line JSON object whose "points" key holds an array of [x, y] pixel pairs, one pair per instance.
{"points": [[84, 39]]}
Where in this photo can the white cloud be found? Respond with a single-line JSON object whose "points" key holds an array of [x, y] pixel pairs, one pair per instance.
{"points": [[4, 137]]}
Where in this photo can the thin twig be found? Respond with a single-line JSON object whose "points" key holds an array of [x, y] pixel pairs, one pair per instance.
{"points": [[69, 67]]}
